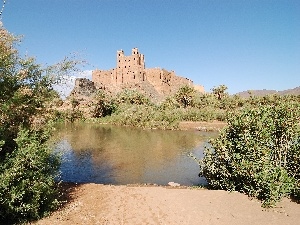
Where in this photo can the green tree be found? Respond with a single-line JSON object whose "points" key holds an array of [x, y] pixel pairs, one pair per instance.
{"points": [[222, 96], [27, 166], [185, 96], [220, 91]]}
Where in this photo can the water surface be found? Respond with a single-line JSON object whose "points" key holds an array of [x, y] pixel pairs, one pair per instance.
{"points": [[121, 155]]}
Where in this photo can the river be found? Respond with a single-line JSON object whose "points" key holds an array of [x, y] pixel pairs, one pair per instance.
{"points": [[122, 155]]}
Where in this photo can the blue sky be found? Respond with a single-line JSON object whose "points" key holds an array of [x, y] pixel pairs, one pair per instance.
{"points": [[242, 44]]}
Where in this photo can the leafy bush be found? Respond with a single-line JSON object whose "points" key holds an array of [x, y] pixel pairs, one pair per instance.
{"points": [[169, 103], [257, 153], [27, 188], [132, 97], [185, 96], [204, 114], [132, 108], [103, 106]]}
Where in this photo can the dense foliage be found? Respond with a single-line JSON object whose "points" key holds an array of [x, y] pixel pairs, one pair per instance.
{"points": [[27, 188], [27, 167], [258, 153], [132, 108]]}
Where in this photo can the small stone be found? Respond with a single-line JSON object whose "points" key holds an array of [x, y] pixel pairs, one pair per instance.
{"points": [[173, 184]]}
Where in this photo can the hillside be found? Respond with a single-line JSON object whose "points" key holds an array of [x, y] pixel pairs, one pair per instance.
{"points": [[294, 91], [264, 92]]}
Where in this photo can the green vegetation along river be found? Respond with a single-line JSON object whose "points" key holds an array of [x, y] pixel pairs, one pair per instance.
{"points": [[123, 155]]}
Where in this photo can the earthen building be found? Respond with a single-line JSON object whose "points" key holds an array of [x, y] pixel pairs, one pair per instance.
{"points": [[132, 73]]}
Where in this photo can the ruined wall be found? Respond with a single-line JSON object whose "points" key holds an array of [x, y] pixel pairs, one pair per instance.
{"points": [[160, 79], [103, 76], [154, 76], [199, 88], [166, 82], [178, 82]]}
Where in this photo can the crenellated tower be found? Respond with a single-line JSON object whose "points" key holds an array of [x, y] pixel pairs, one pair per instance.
{"points": [[130, 69]]}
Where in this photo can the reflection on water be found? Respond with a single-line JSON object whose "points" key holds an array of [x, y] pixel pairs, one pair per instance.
{"points": [[122, 155]]}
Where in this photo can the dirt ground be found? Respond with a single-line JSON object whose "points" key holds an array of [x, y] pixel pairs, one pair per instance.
{"points": [[108, 204]]}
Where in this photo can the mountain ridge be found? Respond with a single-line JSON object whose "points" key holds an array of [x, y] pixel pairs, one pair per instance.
{"points": [[264, 92]]}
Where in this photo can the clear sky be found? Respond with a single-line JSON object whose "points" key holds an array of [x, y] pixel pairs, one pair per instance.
{"points": [[244, 44]]}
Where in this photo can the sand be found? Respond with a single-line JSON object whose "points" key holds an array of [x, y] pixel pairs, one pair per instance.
{"points": [[108, 204]]}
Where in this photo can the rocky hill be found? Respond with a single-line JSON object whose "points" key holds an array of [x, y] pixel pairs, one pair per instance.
{"points": [[260, 93], [294, 91], [86, 89]]}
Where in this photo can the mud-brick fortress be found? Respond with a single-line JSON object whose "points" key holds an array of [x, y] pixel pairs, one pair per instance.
{"points": [[131, 73]]}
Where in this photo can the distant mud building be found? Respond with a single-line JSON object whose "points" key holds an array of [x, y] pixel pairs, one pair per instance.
{"points": [[131, 73]]}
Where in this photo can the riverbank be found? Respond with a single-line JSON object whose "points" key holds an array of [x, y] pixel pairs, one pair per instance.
{"points": [[202, 126], [108, 204]]}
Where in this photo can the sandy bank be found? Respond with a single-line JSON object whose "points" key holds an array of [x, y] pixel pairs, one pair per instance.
{"points": [[106, 204], [202, 126]]}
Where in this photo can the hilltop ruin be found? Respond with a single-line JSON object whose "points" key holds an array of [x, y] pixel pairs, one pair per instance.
{"points": [[131, 73]]}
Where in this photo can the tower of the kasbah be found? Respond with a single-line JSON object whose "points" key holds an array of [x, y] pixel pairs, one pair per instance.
{"points": [[131, 71]]}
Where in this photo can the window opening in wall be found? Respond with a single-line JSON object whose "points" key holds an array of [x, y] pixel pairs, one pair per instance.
{"points": [[133, 58], [125, 66], [133, 76], [119, 60], [119, 54]]}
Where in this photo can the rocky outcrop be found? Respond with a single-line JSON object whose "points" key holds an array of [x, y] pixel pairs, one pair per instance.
{"points": [[81, 98], [83, 88]]}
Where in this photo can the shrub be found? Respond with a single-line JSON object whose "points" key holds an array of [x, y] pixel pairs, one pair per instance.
{"points": [[27, 188], [169, 103], [132, 97], [185, 96], [257, 153], [103, 106]]}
